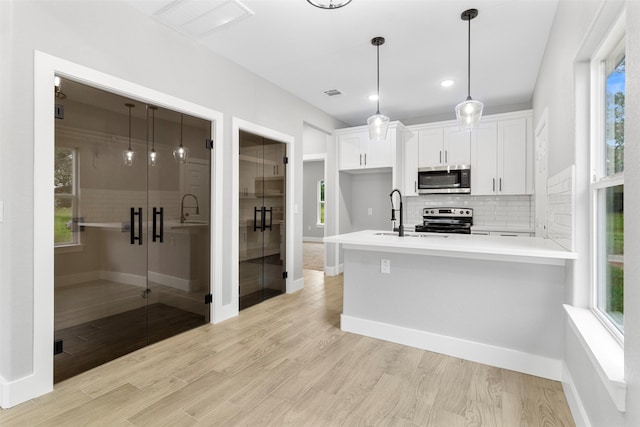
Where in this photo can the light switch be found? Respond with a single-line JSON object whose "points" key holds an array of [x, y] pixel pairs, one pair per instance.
{"points": [[370, 211], [385, 266]]}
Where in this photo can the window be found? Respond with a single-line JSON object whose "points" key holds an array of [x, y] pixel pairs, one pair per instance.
{"points": [[608, 188], [65, 197], [320, 202]]}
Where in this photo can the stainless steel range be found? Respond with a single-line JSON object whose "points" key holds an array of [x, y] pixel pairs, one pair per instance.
{"points": [[446, 220]]}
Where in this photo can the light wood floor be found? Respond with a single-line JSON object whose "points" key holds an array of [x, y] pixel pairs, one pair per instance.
{"points": [[286, 362]]}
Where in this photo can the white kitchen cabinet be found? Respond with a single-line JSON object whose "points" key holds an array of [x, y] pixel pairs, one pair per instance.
{"points": [[410, 170], [357, 151], [443, 145], [499, 164]]}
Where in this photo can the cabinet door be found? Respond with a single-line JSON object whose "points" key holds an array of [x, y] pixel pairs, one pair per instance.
{"points": [[483, 161], [350, 151], [410, 182], [457, 146], [512, 156], [430, 147], [273, 160], [376, 154]]}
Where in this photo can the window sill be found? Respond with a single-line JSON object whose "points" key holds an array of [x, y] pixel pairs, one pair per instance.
{"points": [[67, 249], [605, 353], [320, 225]]}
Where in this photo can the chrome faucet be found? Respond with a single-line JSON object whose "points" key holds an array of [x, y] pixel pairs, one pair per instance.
{"points": [[182, 207], [393, 212]]}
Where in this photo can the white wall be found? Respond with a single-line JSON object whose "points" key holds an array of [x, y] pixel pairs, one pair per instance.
{"points": [[562, 87], [117, 40]]}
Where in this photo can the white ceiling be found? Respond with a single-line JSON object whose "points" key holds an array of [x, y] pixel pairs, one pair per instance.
{"points": [[306, 50]]}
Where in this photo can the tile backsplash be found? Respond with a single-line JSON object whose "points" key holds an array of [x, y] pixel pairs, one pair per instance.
{"points": [[501, 211]]}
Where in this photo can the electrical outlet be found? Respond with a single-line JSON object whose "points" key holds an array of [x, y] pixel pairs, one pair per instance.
{"points": [[385, 266], [370, 211]]}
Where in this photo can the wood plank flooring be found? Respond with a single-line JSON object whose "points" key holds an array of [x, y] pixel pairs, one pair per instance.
{"points": [[286, 362]]}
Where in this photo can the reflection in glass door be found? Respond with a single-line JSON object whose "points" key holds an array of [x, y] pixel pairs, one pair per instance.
{"points": [[262, 222], [132, 230]]}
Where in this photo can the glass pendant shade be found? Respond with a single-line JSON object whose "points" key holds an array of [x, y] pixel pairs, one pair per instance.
{"points": [[181, 153], [378, 127], [329, 4], [128, 155], [153, 157], [469, 113]]}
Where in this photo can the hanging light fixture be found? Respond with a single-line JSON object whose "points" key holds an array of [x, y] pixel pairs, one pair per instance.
{"points": [[469, 112], [129, 155], [329, 4], [153, 154], [180, 153], [57, 84], [378, 123]]}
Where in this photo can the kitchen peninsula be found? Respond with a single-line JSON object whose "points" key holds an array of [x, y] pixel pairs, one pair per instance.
{"points": [[491, 299]]}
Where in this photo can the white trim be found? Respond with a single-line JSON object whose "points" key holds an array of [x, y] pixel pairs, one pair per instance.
{"points": [[312, 239], [295, 285], [603, 350], [45, 68], [314, 157], [331, 270], [500, 357], [238, 124], [578, 411]]}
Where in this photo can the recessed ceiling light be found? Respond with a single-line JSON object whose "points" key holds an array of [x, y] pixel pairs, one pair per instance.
{"points": [[447, 83], [373, 97]]}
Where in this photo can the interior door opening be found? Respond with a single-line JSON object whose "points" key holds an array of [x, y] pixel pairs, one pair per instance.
{"points": [[262, 222], [132, 226]]}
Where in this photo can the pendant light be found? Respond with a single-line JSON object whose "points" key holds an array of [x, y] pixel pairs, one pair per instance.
{"points": [[180, 153], [153, 154], [469, 112], [129, 155], [329, 4], [378, 123]]}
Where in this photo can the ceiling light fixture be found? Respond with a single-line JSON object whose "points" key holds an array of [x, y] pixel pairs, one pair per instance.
{"points": [[469, 112], [447, 83], [181, 153], [329, 4], [153, 154], [373, 97], [129, 155], [378, 123]]}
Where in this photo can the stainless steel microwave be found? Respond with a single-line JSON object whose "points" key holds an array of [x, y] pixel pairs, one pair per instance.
{"points": [[444, 179]]}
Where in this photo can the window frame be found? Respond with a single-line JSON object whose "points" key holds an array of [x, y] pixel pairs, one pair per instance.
{"points": [[613, 45], [73, 196], [320, 202]]}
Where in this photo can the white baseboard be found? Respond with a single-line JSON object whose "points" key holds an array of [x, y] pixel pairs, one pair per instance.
{"points": [[487, 354], [129, 279], [295, 285], [578, 411], [312, 239], [333, 271], [13, 393]]}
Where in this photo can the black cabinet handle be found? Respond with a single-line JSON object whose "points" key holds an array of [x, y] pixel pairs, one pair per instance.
{"points": [[132, 232], [270, 210], [255, 222], [159, 236]]}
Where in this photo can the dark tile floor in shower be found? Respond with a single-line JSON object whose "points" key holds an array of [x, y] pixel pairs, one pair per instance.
{"points": [[93, 343]]}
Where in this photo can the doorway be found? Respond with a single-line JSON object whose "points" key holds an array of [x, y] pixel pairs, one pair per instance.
{"points": [[262, 218], [132, 230]]}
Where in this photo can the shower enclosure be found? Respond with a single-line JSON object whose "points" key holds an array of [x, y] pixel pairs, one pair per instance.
{"points": [[262, 201], [132, 252]]}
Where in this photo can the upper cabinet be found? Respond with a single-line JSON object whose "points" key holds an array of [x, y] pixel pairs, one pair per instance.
{"points": [[501, 160], [356, 151], [443, 145]]}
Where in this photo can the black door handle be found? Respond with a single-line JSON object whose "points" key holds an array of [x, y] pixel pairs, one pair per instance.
{"points": [[270, 210], [132, 232], [255, 221], [262, 218], [160, 236]]}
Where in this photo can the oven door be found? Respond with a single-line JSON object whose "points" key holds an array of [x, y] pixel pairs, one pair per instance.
{"points": [[444, 179]]}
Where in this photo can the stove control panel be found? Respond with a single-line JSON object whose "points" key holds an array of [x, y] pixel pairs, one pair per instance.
{"points": [[448, 212]]}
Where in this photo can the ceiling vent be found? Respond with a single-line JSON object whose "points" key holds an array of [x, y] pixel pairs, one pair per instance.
{"points": [[333, 92], [199, 18]]}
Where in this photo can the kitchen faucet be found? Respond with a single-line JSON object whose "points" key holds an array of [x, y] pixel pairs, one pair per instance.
{"points": [[393, 212], [182, 207]]}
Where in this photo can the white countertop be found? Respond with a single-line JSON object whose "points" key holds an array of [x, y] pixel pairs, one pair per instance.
{"points": [[522, 249]]}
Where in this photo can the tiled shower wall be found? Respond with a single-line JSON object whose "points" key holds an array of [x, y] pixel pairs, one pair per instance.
{"points": [[501, 211], [114, 205]]}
